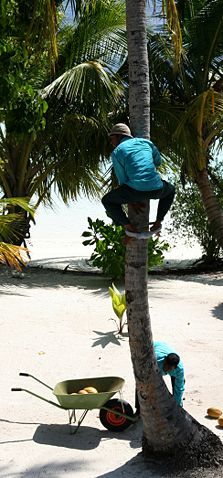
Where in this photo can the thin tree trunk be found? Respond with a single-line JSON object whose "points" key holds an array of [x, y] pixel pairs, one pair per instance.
{"points": [[139, 94], [211, 204], [16, 185]]}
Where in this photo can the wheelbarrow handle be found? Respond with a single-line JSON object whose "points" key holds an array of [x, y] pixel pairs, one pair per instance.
{"points": [[37, 396], [24, 374]]}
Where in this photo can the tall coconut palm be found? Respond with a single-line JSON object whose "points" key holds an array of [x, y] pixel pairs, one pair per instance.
{"points": [[43, 141], [167, 428], [188, 105]]}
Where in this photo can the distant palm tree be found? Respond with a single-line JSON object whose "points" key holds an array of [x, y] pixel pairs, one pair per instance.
{"points": [[59, 143], [187, 105]]}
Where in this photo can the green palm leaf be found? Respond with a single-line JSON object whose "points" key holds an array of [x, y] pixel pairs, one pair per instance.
{"points": [[89, 78], [118, 301], [104, 22]]}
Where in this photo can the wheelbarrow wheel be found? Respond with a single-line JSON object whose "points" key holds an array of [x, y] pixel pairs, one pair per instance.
{"points": [[113, 422]]}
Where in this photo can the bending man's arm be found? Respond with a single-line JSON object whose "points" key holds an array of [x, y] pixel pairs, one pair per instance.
{"points": [[179, 385]]}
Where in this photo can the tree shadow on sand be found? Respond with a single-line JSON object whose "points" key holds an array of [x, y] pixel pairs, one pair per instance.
{"points": [[50, 278], [217, 311], [37, 277]]}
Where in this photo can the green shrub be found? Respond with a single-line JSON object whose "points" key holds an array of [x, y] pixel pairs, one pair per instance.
{"points": [[189, 220], [109, 252]]}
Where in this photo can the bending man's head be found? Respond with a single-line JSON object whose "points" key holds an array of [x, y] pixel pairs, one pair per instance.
{"points": [[170, 362]]}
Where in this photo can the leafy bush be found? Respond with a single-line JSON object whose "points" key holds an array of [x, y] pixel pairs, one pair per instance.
{"points": [[109, 252], [189, 220]]}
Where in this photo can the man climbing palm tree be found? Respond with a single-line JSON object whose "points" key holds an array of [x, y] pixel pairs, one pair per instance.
{"points": [[135, 161]]}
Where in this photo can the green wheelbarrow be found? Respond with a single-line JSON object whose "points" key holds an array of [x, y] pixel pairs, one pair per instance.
{"points": [[115, 414]]}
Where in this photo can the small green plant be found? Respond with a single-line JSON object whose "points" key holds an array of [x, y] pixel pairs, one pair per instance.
{"points": [[109, 252], [119, 306]]}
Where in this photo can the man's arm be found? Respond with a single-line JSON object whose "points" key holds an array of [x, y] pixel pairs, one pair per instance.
{"points": [[156, 154], [179, 385], [119, 169]]}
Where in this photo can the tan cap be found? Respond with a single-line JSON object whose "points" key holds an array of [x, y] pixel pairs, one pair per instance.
{"points": [[122, 129]]}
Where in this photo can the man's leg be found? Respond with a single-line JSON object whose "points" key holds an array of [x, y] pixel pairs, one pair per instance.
{"points": [[166, 197], [114, 199], [166, 200]]}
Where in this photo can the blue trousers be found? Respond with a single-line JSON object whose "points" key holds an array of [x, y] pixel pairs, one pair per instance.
{"points": [[113, 200]]}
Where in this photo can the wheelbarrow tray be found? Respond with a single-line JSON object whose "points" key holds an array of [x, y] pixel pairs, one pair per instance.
{"points": [[106, 387]]}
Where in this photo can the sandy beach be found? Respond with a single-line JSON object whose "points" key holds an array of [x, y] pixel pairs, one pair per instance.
{"points": [[58, 326]]}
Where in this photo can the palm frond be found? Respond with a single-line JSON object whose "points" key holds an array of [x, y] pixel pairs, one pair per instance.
{"points": [[175, 130], [207, 26], [170, 12], [8, 229], [23, 203], [89, 78], [12, 256], [75, 5], [101, 20]]}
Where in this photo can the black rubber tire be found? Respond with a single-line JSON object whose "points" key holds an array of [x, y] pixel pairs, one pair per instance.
{"points": [[112, 422]]}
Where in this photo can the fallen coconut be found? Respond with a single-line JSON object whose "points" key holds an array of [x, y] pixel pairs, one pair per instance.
{"points": [[91, 390], [214, 412], [220, 421]]}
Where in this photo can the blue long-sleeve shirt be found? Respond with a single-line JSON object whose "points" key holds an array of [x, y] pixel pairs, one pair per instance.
{"points": [[161, 351], [135, 161]]}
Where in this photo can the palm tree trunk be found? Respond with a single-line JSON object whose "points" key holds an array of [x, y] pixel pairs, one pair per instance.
{"points": [[212, 207], [17, 184], [166, 425], [167, 428], [139, 96]]}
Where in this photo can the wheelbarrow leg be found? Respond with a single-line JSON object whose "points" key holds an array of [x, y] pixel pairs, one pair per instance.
{"points": [[72, 419]]}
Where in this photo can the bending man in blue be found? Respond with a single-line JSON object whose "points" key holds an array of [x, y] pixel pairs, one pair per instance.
{"points": [[135, 162], [169, 363]]}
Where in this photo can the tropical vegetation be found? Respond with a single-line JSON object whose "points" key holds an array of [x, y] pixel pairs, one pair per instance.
{"points": [[109, 250], [10, 254], [49, 142], [187, 103], [189, 221], [168, 430]]}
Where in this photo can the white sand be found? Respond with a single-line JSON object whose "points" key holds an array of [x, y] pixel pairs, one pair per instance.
{"points": [[56, 326]]}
